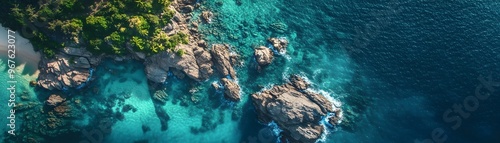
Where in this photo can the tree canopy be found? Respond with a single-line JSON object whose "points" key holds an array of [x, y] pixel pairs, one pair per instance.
{"points": [[101, 27]]}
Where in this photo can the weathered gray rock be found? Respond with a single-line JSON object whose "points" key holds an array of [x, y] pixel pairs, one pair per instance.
{"points": [[195, 64], [231, 90], [280, 44], [222, 61], [190, 2], [296, 111], [80, 52], [263, 55], [80, 62]]}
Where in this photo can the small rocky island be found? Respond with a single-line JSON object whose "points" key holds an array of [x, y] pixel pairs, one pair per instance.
{"points": [[297, 112]]}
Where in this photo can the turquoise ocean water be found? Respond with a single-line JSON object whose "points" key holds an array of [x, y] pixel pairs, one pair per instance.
{"points": [[395, 65]]}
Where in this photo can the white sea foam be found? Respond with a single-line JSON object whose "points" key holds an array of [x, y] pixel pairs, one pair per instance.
{"points": [[275, 128], [324, 121], [286, 74]]}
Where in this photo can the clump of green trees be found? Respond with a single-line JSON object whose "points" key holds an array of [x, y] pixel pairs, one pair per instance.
{"points": [[101, 26]]}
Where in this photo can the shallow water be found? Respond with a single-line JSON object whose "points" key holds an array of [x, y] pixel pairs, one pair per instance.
{"points": [[396, 67]]}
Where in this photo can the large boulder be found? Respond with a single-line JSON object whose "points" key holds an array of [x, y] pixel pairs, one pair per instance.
{"points": [[195, 63], [297, 111], [231, 90], [64, 72], [263, 55], [280, 44], [222, 59]]}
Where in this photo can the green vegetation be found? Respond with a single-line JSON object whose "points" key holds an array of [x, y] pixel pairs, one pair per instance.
{"points": [[101, 26], [180, 52]]}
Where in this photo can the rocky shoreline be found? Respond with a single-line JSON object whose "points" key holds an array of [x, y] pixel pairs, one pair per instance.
{"points": [[297, 111]]}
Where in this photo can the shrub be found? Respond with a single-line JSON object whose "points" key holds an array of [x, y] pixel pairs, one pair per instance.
{"points": [[180, 52]]}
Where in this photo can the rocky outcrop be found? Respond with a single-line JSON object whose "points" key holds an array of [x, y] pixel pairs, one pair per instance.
{"points": [[222, 60], [296, 111], [55, 100], [70, 68], [280, 44], [66, 70], [231, 90], [195, 63], [207, 16], [336, 118], [263, 55]]}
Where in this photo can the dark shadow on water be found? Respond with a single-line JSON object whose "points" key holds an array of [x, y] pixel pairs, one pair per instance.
{"points": [[249, 125]]}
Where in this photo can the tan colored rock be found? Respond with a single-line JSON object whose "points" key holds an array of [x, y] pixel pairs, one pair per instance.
{"points": [[280, 44], [55, 100], [195, 64], [63, 72], [207, 16], [204, 61], [231, 90], [215, 86], [263, 55], [222, 61], [296, 111]]}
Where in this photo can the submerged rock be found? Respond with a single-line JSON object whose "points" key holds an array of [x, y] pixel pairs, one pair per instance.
{"points": [[195, 63], [280, 44], [231, 90], [54, 100], [296, 111], [33, 83], [145, 128], [161, 96], [222, 60], [263, 55]]}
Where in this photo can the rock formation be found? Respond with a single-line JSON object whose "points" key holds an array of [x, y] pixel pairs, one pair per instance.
{"points": [[207, 16], [263, 55], [54, 100], [296, 111], [195, 63], [231, 90], [280, 44], [69, 69], [336, 118], [161, 96], [222, 60]]}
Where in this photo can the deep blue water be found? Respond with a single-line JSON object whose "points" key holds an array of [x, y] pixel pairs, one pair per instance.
{"points": [[397, 66]]}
